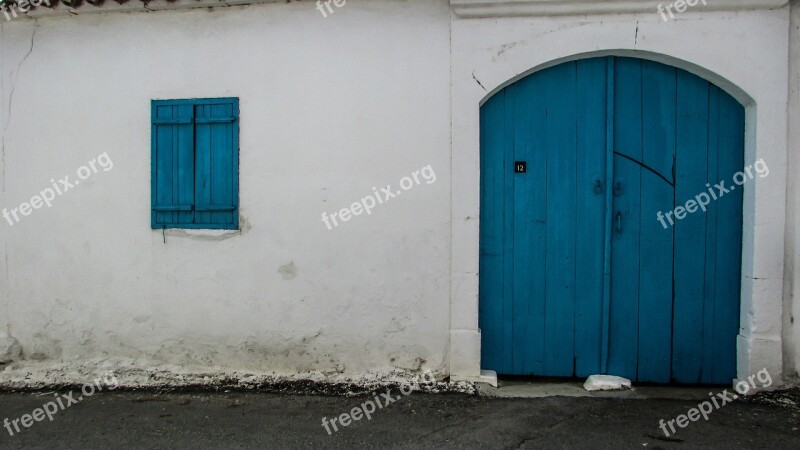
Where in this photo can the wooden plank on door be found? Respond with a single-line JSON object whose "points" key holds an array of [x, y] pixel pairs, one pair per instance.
{"points": [[626, 188], [727, 298], [507, 300], [624, 320], [530, 225], [591, 198], [657, 194], [560, 92], [710, 272], [605, 318], [493, 143], [690, 230]]}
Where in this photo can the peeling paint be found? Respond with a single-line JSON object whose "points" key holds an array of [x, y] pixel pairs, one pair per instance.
{"points": [[10, 350], [136, 375], [244, 224], [288, 271], [199, 235], [43, 348]]}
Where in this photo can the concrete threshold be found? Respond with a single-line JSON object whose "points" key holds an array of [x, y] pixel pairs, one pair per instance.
{"points": [[536, 388]]}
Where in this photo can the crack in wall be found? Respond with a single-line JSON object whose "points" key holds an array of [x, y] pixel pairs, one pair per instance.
{"points": [[477, 80], [14, 78], [13, 84]]}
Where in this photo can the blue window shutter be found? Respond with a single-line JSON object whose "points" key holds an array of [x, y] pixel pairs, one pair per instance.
{"points": [[172, 172], [217, 163]]}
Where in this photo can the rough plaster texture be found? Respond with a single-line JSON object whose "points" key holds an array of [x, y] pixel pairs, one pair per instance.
{"points": [[330, 107], [791, 301], [10, 350]]}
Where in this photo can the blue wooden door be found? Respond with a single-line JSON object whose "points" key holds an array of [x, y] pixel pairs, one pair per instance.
{"points": [[577, 275]]}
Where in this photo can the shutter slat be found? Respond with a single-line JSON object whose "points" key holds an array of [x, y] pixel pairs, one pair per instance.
{"points": [[172, 208], [215, 120], [173, 121], [218, 208]]}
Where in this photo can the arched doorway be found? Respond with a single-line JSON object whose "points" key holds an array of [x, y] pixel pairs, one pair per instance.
{"points": [[586, 263]]}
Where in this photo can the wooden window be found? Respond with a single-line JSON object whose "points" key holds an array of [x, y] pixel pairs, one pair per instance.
{"points": [[195, 164]]}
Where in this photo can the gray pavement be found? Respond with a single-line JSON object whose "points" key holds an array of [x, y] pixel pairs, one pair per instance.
{"points": [[264, 420]]}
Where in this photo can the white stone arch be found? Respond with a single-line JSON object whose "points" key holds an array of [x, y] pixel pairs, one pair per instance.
{"points": [[728, 86], [488, 55]]}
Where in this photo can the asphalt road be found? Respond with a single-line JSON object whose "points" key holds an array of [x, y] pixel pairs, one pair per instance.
{"points": [[262, 420]]}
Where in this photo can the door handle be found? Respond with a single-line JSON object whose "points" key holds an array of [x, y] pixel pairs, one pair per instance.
{"points": [[619, 222]]}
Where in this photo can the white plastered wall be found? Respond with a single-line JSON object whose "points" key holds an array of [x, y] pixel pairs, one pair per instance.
{"points": [[791, 310], [743, 52], [330, 107]]}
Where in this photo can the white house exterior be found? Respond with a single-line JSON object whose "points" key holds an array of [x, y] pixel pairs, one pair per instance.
{"points": [[332, 104]]}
